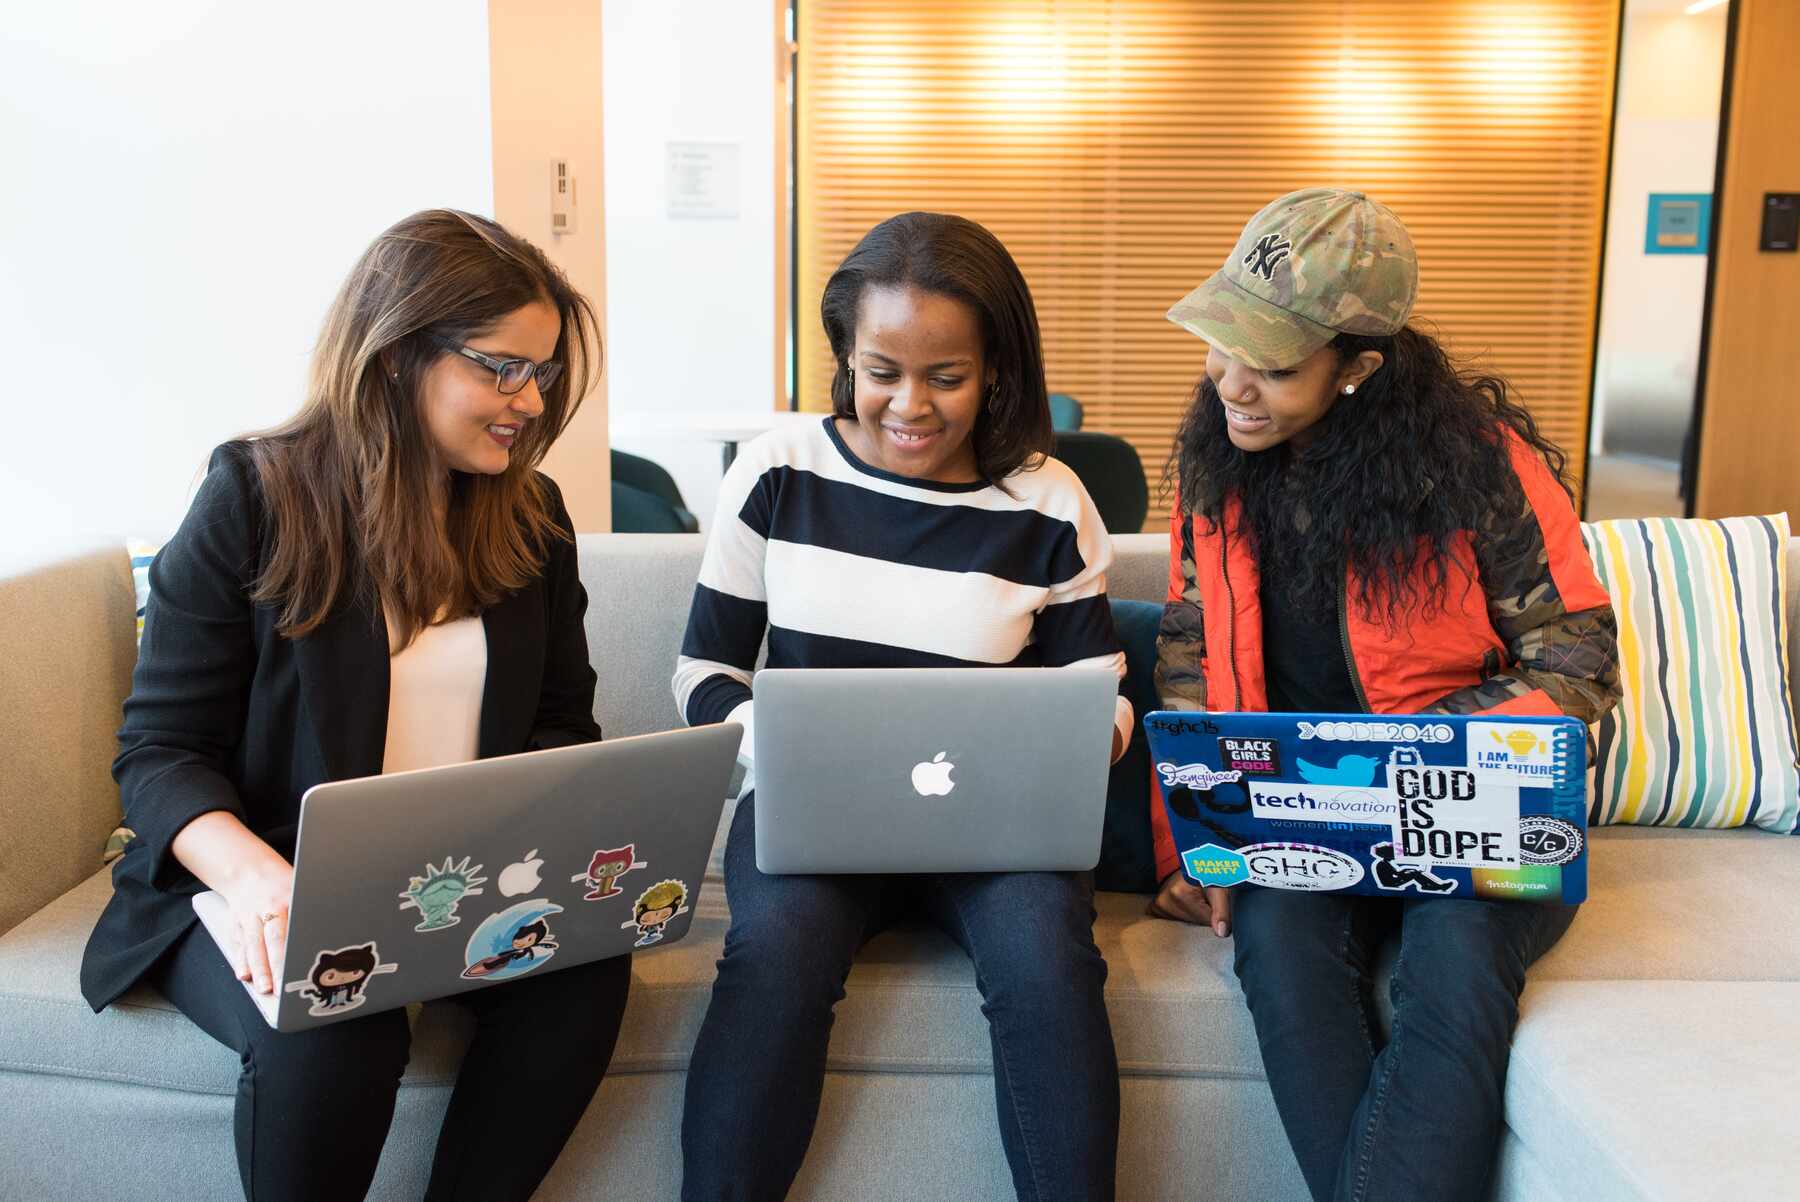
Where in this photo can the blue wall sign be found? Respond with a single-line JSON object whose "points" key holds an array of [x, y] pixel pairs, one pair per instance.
{"points": [[1679, 223]]}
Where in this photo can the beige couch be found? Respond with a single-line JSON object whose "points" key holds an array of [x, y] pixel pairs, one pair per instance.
{"points": [[1655, 1058]]}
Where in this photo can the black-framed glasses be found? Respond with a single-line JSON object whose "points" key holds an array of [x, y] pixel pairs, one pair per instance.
{"points": [[512, 373]]}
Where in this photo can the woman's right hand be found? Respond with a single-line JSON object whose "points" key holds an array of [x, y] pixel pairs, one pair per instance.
{"points": [[259, 918], [1208, 906], [257, 884]]}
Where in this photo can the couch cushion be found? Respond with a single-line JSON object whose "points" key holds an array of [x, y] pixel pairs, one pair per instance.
{"points": [[1685, 1090], [1684, 905], [1655, 901]]}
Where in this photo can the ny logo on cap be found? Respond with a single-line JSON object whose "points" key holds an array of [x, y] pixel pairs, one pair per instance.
{"points": [[1267, 254]]}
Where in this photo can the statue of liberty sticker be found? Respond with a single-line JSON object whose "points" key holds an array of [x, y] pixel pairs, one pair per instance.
{"points": [[435, 894]]}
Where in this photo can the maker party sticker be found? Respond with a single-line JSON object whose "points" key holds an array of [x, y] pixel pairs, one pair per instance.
{"points": [[1303, 866], [1210, 864]]}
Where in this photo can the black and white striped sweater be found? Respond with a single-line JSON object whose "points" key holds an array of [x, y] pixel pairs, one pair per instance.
{"points": [[847, 566]]}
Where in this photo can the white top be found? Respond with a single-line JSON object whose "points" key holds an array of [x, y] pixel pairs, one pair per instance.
{"points": [[434, 696]]}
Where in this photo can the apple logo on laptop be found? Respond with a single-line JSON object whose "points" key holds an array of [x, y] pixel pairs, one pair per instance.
{"points": [[932, 778], [522, 877]]}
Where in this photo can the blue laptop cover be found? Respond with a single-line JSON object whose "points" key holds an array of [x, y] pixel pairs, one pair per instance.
{"points": [[1434, 806]]}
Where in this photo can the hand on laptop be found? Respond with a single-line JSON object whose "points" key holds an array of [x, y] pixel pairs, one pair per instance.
{"points": [[1182, 902], [256, 882], [259, 918]]}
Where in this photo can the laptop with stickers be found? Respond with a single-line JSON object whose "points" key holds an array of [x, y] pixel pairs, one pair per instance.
{"points": [[932, 769], [1471, 806], [423, 884]]}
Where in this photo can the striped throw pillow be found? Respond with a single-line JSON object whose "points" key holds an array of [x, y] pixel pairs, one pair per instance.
{"points": [[1704, 736], [141, 553]]}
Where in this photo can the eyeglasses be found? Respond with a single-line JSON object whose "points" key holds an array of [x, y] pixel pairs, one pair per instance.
{"points": [[512, 372]]}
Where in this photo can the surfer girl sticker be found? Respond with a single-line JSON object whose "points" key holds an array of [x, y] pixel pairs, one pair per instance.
{"points": [[338, 979], [513, 942], [655, 907], [605, 869]]}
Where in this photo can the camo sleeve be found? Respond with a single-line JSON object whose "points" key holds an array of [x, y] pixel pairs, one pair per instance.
{"points": [[1181, 638], [1546, 603]]}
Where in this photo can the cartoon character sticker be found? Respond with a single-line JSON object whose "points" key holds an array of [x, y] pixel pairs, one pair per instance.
{"points": [[338, 979], [655, 908], [435, 894], [605, 869], [1389, 875], [512, 942]]}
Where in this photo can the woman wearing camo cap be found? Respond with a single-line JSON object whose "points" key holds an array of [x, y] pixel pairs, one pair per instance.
{"points": [[1362, 527]]}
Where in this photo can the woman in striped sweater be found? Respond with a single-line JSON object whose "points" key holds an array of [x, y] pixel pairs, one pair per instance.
{"points": [[922, 524]]}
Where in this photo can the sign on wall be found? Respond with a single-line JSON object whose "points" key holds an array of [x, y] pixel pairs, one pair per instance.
{"points": [[703, 179], [1678, 224]]}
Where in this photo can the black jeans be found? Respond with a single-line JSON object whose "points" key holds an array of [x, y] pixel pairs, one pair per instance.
{"points": [[758, 1067], [313, 1107], [1417, 1117]]}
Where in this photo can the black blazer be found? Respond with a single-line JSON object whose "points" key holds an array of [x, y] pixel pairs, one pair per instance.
{"points": [[226, 714]]}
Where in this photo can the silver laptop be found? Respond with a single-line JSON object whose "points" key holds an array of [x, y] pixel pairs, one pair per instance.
{"points": [[427, 883], [931, 769]]}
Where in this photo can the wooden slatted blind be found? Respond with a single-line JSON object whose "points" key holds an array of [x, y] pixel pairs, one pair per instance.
{"points": [[1118, 146]]}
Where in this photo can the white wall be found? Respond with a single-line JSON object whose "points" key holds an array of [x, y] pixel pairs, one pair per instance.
{"points": [[691, 320], [185, 184], [1665, 140]]}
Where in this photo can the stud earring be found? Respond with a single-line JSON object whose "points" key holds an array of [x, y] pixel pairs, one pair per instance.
{"points": [[1349, 389]]}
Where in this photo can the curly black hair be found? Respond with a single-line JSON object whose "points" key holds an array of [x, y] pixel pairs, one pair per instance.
{"points": [[1396, 470]]}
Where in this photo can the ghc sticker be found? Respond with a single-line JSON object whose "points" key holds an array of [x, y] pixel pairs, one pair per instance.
{"points": [[1304, 866], [1210, 864]]}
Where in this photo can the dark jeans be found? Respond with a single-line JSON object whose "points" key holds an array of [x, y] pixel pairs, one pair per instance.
{"points": [[313, 1107], [759, 1064], [1417, 1117]]}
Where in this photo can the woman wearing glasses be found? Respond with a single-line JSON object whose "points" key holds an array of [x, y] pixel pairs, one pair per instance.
{"points": [[382, 583]]}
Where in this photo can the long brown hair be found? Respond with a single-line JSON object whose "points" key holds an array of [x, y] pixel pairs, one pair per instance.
{"points": [[349, 481]]}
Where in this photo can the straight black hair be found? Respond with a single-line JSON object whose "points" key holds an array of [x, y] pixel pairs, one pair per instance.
{"points": [[953, 256]]}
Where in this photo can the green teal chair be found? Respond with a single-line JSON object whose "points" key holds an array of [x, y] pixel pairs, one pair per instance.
{"points": [[1065, 412], [635, 511], [1109, 468], [648, 479]]}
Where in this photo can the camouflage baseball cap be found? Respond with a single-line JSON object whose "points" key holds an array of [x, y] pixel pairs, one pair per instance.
{"points": [[1311, 265]]}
